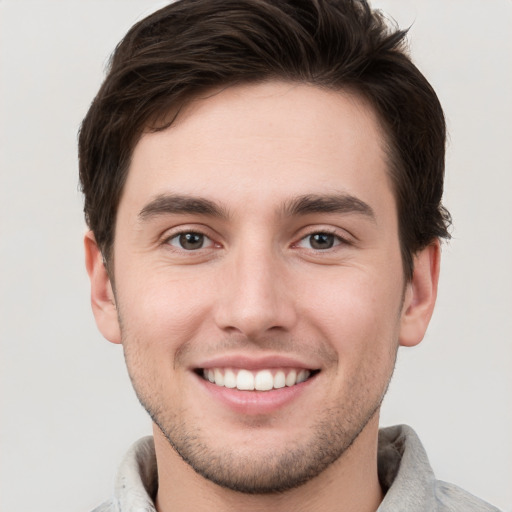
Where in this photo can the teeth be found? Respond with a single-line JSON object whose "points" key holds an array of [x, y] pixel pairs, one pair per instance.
{"points": [[245, 380], [291, 378], [229, 379], [263, 380], [218, 377], [302, 376], [279, 380]]}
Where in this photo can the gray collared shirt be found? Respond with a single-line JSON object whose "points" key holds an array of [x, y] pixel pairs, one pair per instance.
{"points": [[404, 472]]}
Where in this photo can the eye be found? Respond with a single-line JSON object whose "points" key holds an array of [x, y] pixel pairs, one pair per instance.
{"points": [[320, 241], [189, 241]]}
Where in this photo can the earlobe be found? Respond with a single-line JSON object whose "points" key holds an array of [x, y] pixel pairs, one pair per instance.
{"points": [[102, 296], [420, 295]]}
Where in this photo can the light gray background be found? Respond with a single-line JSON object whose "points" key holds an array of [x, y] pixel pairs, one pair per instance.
{"points": [[67, 411]]}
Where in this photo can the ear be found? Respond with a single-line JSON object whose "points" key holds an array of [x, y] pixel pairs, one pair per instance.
{"points": [[420, 295], [102, 295]]}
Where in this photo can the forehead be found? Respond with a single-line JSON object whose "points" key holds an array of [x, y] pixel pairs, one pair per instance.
{"points": [[270, 141]]}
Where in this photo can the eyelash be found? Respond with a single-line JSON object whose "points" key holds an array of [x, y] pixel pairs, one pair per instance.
{"points": [[177, 234], [338, 240]]}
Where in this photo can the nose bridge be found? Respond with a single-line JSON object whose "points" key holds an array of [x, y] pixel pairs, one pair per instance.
{"points": [[253, 298]]}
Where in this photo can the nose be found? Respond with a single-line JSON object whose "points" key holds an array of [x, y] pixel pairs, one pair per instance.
{"points": [[255, 295]]}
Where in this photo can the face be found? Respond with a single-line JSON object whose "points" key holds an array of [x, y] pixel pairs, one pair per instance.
{"points": [[259, 290]]}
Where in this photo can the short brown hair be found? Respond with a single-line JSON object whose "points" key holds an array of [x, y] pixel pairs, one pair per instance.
{"points": [[194, 45]]}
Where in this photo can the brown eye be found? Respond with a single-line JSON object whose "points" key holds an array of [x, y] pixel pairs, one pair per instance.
{"points": [[321, 241], [188, 241]]}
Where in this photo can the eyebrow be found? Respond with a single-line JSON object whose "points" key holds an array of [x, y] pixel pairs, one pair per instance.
{"points": [[333, 203], [181, 204], [168, 204]]}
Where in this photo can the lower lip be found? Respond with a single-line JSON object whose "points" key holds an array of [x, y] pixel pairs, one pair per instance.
{"points": [[256, 402]]}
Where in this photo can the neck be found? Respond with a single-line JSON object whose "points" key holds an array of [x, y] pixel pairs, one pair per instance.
{"points": [[349, 484]]}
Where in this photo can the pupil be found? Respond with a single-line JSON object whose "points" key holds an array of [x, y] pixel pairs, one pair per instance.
{"points": [[191, 240], [322, 241]]}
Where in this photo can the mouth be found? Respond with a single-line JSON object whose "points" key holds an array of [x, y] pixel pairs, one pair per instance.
{"points": [[256, 380]]}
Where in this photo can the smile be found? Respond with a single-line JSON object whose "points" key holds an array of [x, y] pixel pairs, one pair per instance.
{"points": [[261, 380]]}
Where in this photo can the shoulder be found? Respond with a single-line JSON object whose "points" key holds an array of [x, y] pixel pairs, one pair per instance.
{"points": [[409, 481], [108, 506], [136, 481], [451, 498]]}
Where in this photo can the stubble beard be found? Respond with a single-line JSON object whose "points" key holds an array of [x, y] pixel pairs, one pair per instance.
{"points": [[268, 473], [273, 471]]}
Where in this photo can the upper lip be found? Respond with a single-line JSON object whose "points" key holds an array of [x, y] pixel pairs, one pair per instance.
{"points": [[268, 361]]}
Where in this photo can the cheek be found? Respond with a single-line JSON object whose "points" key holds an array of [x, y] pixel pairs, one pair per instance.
{"points": [[358, 314], [161, 312]]}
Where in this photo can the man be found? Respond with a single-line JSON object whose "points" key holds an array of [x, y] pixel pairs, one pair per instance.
{"points": [[263, 185]]}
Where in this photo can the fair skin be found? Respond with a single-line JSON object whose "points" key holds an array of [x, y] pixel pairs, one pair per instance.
{"points": [[257, 237]]}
